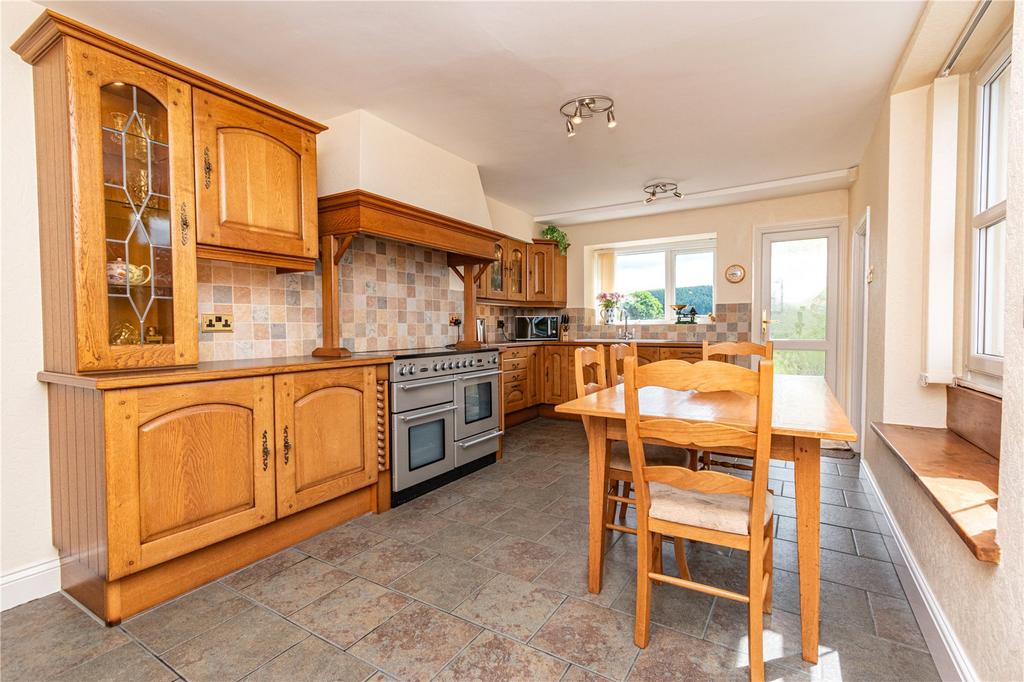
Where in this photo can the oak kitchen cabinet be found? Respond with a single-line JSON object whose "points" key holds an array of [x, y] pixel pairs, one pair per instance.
{"points": [[556, 370], [534, 273], [255, 180], [165, 480], [118, 132]]}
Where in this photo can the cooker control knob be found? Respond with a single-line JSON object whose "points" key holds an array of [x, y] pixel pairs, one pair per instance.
{"points": [[401, 370]]}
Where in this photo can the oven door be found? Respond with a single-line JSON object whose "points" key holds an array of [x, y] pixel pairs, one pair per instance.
{"points": [[477, 403], [422, 445]]}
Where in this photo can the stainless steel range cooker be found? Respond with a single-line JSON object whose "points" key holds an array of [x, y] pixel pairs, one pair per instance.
{"points": [[445, 417]]}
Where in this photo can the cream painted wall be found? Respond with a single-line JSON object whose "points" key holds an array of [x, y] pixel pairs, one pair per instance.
{"points": [[733, 224], [361, 150], [906, 401], [982, 603], [24, 461], [511, 221]]}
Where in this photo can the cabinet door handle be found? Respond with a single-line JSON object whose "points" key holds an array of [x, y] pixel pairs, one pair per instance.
{"points": [[287, 445], [207, 167], [185, 225], [266, 451]]}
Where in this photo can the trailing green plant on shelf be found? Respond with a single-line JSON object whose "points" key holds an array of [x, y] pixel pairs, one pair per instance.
{"points": [[556, 235]]}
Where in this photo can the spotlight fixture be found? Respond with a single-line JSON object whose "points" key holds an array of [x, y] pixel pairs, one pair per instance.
{"points": [[659, 188], [575, 110]]}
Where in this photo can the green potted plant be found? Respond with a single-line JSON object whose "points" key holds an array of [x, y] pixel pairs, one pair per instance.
{"points": [[556, 235]]}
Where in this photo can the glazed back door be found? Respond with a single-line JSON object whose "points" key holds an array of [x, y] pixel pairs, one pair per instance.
{"points": [[135, 281], [255, 179], [326, 435], [188, 465]]}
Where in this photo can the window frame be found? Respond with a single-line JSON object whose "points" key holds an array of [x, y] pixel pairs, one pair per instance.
{"points": [[670, 250], [983, 370]]}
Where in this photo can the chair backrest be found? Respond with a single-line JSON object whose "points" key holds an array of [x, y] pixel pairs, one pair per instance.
{"points": [[618, 352], [727, 348], [590, 371], [702, 377]]}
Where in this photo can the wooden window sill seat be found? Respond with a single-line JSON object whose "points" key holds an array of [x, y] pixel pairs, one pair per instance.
{"points": [[961, 479]]}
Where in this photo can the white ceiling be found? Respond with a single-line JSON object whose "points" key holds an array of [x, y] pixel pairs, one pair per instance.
{"points": [[712, 94]]}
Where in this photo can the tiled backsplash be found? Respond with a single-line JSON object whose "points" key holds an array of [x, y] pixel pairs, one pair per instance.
{"points": [[392, 296]]}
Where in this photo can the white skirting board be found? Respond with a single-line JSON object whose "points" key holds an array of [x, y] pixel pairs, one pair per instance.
{"points": [[29, 583], [950, 659]]}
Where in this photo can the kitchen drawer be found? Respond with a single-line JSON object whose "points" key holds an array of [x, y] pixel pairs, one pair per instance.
{"points": [[515, 396], [688, 354], [518, 375], [520, 352], [512, 364]]}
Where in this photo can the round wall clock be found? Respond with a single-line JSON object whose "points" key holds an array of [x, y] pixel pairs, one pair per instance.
{"points": [[735, 273]]}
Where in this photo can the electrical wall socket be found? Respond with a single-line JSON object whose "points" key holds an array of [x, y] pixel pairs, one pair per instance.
{"points": [[218, 322]]}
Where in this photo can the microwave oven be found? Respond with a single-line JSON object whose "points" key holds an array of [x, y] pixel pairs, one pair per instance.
{"points": [[540, 327]]}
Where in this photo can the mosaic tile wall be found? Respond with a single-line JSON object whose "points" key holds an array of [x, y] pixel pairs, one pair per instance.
{"points": [[392, 296]]}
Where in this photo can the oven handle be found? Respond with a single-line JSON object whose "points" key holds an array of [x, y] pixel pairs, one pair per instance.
{"points": [[441, 410], [478, 375], [481, 439], [421, 384]]}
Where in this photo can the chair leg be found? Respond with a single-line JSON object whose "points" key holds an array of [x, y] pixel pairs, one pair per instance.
{"points": [[627, 487], [642, 625], [768, 565], [755, 615], [684, 569], [694, 461], [656, 547]]}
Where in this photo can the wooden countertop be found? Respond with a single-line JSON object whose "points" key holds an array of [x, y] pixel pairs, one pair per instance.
{"points": [[211, 371]]}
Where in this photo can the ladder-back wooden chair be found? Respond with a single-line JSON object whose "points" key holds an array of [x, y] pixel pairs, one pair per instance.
{"points": [[617, 352], [706, 506], [724, 351]]}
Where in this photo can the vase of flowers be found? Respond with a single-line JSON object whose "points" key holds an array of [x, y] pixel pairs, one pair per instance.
{"points": [[609, 302]]}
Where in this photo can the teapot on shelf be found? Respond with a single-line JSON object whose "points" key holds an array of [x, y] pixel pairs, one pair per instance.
{"points": [[120, 273]]}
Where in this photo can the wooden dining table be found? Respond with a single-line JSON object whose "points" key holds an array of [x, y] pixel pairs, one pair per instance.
{"points": [[804, 412]]}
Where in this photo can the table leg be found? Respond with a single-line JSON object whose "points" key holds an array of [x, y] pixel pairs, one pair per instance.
{"points": [[807, 473], [597, 432]]}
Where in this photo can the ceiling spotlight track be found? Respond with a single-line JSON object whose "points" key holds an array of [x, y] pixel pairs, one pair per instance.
{"points": [[659, 188], [575, 110]]}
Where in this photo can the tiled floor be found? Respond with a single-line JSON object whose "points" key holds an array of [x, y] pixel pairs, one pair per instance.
{"points": [[486, 580]]}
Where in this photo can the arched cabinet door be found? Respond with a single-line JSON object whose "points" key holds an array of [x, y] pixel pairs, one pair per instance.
{"points": [[255, 180], [327, 435], [188, 465]]}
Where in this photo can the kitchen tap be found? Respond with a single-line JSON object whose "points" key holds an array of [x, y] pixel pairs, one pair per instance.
{"points": [[625, 333]]}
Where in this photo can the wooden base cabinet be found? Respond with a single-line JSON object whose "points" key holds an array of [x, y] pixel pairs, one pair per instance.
{"points": [[152, 482], [326, 435], [557, 374]]}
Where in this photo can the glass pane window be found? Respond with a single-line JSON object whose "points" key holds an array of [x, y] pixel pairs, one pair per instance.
{"points": [[695, 280], [799, 289], [800, 362], [990, 288], [641, 278], [478, 401], [995, 99]]}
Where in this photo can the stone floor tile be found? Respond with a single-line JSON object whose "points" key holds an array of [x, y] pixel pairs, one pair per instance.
{"points": [[895, 620], [435, 501], [728, 627], [511, 606], [842, 482], [838, 603], [568, 575], [416, 643], [529, 497], [289, 590], [578, 674], [313, 660], [338, 544], [862, 501], [590, 636], [239, 580], [493, 657], [234, 648], [856, 571], [388, 561], [407, 525], [184, 618], [671, 606], [485, 489], [871, 545], [461, 540], [126, 663], [571, 486], [857, 519], [444, 582], [828, 495], [350, 612], [517, 556], [524, 523], [568, 507], [837, 538], [891, 546], [570, 536], [849, 470], [475, 512]]}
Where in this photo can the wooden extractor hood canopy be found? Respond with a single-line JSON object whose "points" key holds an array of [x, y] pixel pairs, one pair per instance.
{"points": [[345, 215]]}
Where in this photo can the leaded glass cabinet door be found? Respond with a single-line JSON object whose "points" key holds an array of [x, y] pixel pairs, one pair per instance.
{"points": [[132, 169]]}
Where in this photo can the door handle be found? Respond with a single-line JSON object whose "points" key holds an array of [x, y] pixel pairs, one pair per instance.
{"points": [[478, 375], [481, 439], [411, 417], [765, 322], [287, 445], [434, 382], [266, 451]]}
